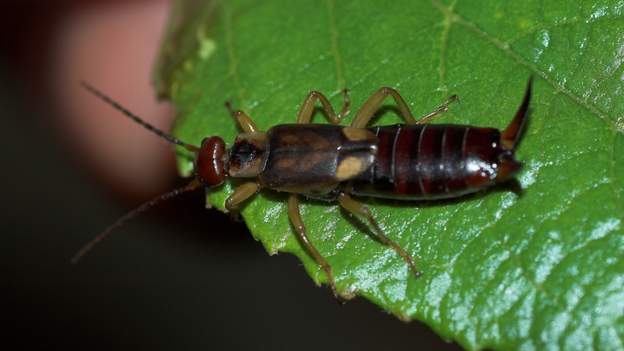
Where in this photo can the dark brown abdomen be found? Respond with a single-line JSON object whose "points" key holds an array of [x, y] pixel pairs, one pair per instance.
{"points": [[430, 161]]}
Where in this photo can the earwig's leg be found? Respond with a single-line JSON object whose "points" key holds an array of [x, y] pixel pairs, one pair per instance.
{"points": [[307, 108], [361, 210], [240, 194], [297, 222], [438, 110], [245, 122], [372, 105]]}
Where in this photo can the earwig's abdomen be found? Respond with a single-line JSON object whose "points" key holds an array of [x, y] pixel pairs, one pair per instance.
{"points": [[430, 161]]}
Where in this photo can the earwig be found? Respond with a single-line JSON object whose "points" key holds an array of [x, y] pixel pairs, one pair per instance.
{"points": [[330, 162]]}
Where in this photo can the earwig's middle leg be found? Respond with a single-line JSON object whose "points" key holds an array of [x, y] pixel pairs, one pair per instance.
{"points": [[295, 218], [361, 210], [244, 121], [307, 108], [438, 110]]}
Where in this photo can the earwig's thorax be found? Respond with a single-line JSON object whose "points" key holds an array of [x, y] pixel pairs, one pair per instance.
{"points": [[248, 155], [209, 164]]}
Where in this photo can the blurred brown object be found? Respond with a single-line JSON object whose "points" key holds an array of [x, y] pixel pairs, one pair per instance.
{"points": [[111, 44]]}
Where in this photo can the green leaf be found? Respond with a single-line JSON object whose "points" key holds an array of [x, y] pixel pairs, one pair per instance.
{"points": [[541, 270]]}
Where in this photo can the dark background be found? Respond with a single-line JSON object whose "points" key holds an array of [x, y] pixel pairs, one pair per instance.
{"points": [[178, 277]]}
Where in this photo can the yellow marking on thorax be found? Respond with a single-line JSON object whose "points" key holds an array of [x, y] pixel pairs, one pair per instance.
{"points": [[349, 167]]}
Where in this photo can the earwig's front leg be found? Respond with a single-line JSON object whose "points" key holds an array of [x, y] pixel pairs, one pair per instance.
{"points": [[438, 110], [297, 222], [245, 122], [372, 105], [240, 194], [361, 210], [307, 108]]}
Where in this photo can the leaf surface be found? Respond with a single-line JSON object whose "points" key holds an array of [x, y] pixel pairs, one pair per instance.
{"points": [[502, 271]]}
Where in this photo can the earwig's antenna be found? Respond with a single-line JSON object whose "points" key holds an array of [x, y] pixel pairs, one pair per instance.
{"points": [[194, 184], [137, 119]]}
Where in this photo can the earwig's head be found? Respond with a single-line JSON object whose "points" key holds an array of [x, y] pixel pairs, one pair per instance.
{"points": [[248, 155], [209, 164]]}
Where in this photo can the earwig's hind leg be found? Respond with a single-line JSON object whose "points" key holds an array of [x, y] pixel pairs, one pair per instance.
{"points": [[307, 108], [361, 210], [244, 121], [372, 105], [240, 195], [297, 223], [438, 110]]}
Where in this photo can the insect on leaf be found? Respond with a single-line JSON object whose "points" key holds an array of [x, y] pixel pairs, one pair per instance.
{"points": [[542, 269]]}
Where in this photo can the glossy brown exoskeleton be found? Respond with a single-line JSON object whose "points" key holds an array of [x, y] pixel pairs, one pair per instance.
{"points": [[414, 161]]}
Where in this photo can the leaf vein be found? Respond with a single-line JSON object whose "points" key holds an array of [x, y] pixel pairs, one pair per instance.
{"points": [[612, 164], [491, 225], [447, 23], [388, 59], [333, 30], [233, 60], [505, 48], [563, 23], [585, 296]]}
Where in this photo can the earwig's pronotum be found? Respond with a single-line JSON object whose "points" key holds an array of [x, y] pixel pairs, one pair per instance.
{"points": [[413, 161]]}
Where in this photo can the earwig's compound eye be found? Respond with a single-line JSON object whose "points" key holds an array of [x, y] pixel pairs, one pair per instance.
{"points": [[209, 163]]}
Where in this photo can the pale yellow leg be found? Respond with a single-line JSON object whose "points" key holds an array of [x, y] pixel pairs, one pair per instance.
{"points": [[240, 194], [307, 108], [297, 222], [245, 122], [372, 105], [361, 210], [438, 110]]}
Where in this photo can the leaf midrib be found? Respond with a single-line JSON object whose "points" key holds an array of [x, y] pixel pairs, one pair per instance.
{"points": [[453, 17]]}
